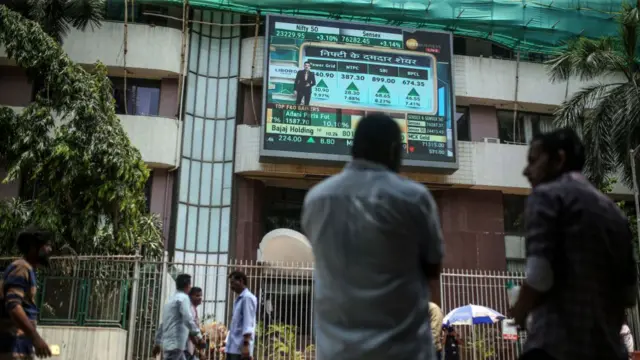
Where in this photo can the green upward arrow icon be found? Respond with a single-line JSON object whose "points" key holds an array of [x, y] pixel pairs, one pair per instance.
{"points": [[352, 87], [322, 84], [413, 92], [311, 141], [383, 90]]}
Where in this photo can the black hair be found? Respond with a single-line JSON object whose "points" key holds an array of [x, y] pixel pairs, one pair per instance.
{"points": [[32, 236], [374, 138], [182, 281], [306, 62], [194, 290], [239, 275], [564, 139]]}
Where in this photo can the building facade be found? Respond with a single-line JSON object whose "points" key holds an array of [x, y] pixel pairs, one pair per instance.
{"points": [[202, 139]]}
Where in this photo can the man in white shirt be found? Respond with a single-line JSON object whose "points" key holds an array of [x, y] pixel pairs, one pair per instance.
{"points": [[239, 344], [627, 339], [377, 244]]}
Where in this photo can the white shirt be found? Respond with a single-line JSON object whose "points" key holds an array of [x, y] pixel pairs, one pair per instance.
{"points": [[627, 339], [372, 231], [177, 323]]}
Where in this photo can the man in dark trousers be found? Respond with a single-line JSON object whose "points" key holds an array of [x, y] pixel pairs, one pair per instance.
{"points": [[581, 273], [305, 81]]}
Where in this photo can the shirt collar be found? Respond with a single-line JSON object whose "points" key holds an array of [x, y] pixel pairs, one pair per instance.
{"points": [[243, 293], [361, 164]]}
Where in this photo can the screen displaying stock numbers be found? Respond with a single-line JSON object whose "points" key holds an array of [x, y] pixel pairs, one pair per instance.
{"points": [[323, 76]]}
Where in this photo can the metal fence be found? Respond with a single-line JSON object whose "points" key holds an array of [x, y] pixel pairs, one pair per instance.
{"points": [[129, 293], [83, 291], [485, 288]]}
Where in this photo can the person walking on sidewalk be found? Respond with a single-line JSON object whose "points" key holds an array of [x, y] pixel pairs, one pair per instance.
{"points": [[178, 323], [580, 269], [19, 338], [239, 344]]}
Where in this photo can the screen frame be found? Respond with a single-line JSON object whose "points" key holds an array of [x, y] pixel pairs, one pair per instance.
{"points": [[295, 157]]}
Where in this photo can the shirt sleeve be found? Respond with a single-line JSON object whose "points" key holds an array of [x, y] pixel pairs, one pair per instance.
{"points": [[541, 212], [15, 285], [627, 338], [159, 335], [431, 250], [187, 315], [248, 316]]}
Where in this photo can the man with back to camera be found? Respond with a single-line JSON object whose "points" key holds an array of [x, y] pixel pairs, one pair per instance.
{"points": [[19, 338], [581, 273], [178, 323], [378, 247], [304, 83]]}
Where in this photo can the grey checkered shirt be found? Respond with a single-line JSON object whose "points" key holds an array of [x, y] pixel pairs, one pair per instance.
{"points": [[586, 239]]}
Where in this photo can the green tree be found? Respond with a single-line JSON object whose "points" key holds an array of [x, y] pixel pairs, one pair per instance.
{"points": [[606, 115], [86, 178], [57, 17]]}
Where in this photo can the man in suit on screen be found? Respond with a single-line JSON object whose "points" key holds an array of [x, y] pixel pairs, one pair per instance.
{"points": [[305, 81]]}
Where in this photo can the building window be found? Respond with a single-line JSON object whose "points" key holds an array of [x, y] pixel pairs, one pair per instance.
{"points": [[499, 52], [513, 208], [486, 48], [525, 127], [143, 96], [459, 45], [463, 123], [283, 208], [136, 12]]}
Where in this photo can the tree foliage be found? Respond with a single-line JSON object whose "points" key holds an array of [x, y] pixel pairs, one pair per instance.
{"points": [[606, 115], [69, 148]]}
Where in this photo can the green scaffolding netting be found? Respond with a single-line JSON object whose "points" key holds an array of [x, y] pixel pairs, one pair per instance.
{"points": [[535, 26]]}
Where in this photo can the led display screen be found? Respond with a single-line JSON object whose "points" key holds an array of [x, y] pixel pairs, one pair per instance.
{"points": [[323, 76]]}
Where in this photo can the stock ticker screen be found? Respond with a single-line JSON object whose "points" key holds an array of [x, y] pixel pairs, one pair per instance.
{"points": [[323, 76]]}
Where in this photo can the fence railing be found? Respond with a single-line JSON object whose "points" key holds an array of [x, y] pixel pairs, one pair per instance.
{"points": [[484, 288], [129, 293], [83, 291]]}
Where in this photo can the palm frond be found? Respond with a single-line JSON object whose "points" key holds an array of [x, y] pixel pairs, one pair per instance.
{"points": [[572, 111], [587, 59], [626, 127], [83, 13], [57, 17], [600, 159], [629, 23], [50, 14]]}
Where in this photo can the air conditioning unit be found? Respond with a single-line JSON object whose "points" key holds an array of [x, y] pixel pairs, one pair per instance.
{"points": [[252, 67], [492, 140]]}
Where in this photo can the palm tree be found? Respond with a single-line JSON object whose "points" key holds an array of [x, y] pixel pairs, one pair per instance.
{"points": [[606, 114], [57, 17]]}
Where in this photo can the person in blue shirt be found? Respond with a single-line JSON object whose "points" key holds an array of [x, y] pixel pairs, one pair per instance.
{"points": [[239, 344], [178, 323]]}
